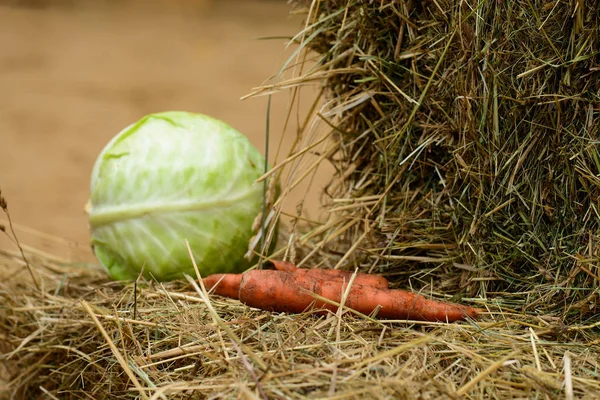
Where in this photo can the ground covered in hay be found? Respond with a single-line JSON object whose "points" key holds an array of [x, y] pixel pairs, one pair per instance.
{"points": [[83, 336]]}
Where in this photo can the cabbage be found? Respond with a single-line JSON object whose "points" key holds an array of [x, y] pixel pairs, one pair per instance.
{"points": [[171, 177]]}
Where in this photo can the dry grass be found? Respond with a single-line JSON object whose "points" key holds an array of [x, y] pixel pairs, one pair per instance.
{"points": [[465, 138], [81, 337]]}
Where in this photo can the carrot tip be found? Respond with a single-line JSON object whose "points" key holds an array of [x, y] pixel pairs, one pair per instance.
{"points": [[476, 311]]}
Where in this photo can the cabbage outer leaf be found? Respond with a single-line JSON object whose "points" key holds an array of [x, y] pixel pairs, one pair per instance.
{"points": [[171, 177]]}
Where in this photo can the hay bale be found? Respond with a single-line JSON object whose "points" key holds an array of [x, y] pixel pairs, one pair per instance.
{"points": [[467, 137]]}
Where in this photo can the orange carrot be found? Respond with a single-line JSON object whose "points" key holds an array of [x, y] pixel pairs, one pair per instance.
{"points": [[227, 285], [282, 291], [375, 281]]}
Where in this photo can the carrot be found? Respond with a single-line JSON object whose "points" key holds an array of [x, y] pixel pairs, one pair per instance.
{"points": [[283, 291], [375, 281], [227, 285]]}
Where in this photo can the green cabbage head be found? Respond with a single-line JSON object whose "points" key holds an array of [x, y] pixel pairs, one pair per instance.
{"points": [[171, 177]]}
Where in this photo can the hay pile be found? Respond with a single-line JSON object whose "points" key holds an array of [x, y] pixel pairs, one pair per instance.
{"points": [[465, 137], [82, 336]]}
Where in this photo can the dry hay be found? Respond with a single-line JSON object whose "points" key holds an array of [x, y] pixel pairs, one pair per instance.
{"points": [[81, 337], [465, 139]]}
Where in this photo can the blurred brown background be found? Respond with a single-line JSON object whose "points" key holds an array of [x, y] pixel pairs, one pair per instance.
{"points": [[74, 73]]}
